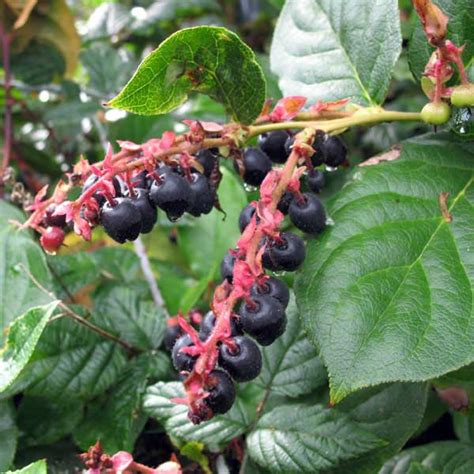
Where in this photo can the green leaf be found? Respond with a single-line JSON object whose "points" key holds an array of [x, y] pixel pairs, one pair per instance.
{"points": [[8, 435], [45, 421], [307, 439], [386, 293], [313, 438], [23, 336], [331, 49], [210, 60], [220, 430], [122, 311], [444, 457], [460, 31], [38, 467], [205, 243], [18, 255], [71, 361], [116, 419], [291, 366]]}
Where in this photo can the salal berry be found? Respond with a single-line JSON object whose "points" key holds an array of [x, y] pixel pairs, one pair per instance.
{"points": [[52, 238], [118, 183], [284, 202], [256, 166], [273, 287], [209, 321], [227, 267], [245, 216], [51, 220], [318, 155], [171, 193], [463, 95], [242, 359], [203, 196], [146, 208], [307, 213], [172, 333], [207, 158], [264, 319], [273, 145], [121, 221], [287, 253], [181, 360], [315, 180], [436, 113], [334, 150], [221, 392]]}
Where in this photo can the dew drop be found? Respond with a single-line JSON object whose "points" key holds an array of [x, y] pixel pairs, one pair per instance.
{"points": [[330, 221], [331, 169], [249, 188]]}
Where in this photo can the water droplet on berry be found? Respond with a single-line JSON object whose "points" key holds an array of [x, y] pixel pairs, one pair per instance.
{"points": [[329, 221], [331, 169], [249, 188], [280, 274]]}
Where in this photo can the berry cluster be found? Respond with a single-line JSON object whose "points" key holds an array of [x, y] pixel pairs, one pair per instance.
{"points": [[261, 319]]}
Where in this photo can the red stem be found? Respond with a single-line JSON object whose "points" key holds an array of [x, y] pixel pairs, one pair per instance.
{"points": [[5, 39]]}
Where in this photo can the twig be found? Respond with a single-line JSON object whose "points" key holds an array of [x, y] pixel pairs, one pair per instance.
{"points": [[5, 39], [69, 312], [141, 252]]}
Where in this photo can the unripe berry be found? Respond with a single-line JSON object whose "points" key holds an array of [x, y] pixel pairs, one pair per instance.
{"points": [[221, 392], [436, 113], [273, 145], [307, 213], [52, 238], [463, 95], [244, 361]]}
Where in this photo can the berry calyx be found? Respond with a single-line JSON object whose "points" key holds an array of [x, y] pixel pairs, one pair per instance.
{"points": [[203, 196], [209, 321], [463, 95], [181, 360], [264, 319], [243, 361], [256, 166], [245, 216], [273, 145], [287, 253], [221, 392], [122, 221], [52, 238], [273, 287], [146, 208], [171, 193], [307, 213], [436, 113], [315, 180]]}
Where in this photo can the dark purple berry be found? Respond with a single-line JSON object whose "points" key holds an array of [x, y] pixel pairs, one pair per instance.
{"points": [[208, 159], [245, 216], [121, 222], [317, 157], [264, 319], [273, 145], [203, 195], [221, 392], [256, 166], [315, 180], [171, 335], [287, 254], [272, 287], [54, 221], [335, 152], [244, 361], [308, 213], [181, 360], [285, 201], [209, 321], [146, 208], [227, 267], [172, 194]]}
